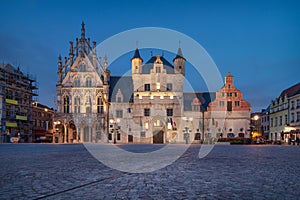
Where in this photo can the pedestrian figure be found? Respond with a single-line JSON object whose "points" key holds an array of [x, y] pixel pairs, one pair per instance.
{"points": [[297, 141]]}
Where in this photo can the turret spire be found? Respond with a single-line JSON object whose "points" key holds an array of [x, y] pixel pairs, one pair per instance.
{"points": [[137, 54], [179, 54]]}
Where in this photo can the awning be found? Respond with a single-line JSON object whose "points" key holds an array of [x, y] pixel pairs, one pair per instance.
{"points": [[42, 133], [39, 133]]}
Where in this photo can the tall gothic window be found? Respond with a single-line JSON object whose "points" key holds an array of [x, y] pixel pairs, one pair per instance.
{"points": [[99, 105], [66, 104], [88, 82], [88, 105], [76, 82], [77, 105]]}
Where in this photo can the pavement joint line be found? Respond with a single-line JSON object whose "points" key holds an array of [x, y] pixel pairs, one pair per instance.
{"points": [[81, 186]]}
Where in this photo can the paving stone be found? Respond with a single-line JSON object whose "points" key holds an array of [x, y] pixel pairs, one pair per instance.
{"points": [[31, 171]]}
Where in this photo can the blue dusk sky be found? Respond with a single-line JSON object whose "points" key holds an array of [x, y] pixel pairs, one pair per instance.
{"points": [[257, 41]]}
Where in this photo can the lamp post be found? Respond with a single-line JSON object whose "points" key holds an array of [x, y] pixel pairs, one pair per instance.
{"points": [[186, 129], [202, 110], [255, 128], [115, 128], [113, 122]]}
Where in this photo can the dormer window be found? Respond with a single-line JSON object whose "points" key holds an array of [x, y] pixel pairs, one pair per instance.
{"points": [[158, 70]]}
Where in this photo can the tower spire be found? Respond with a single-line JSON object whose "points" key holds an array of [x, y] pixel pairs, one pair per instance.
{"points": [[137, 54], [179, 54]]}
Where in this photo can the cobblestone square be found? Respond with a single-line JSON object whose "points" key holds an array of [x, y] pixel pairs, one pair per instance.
{"points": [[58, 171]]}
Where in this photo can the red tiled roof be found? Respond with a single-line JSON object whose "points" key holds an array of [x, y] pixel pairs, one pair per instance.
{"points": [[291, 91]]}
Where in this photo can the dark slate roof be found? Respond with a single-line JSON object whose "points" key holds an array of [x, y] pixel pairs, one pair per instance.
{"points": [[204, 97], [136, 54], [149, 65], [179, 54], [291, 91], [125, 84]]}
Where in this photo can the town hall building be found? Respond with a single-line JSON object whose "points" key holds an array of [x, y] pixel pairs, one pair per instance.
{"points": [[149, 106]]}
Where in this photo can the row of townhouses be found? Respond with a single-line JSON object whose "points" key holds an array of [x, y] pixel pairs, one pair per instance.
{"points": [[280, 122], [149, 106]]}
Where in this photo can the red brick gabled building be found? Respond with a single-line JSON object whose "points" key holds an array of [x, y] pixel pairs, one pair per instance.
{"points": [[230, 113]]}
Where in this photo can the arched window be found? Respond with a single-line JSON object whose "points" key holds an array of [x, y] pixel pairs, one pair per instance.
{"points": [[77, 105], [88, 82], [66, 104], [230, 135]]}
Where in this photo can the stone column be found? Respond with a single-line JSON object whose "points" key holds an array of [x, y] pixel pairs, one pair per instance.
{"points": [[90, 133], [81, 134], [65, 133]]}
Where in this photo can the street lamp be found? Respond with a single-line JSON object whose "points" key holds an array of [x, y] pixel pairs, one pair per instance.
{"points": [[186, 129], [202, 111], [115, 128]]}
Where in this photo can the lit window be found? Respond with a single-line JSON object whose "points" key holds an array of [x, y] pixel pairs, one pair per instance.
{"points": [[157, 123], [77, 105], [158, 86], [66, 104]]}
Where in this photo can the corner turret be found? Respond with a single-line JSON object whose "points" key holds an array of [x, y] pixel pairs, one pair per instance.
{"points": [[136, 62], [179, 62]]}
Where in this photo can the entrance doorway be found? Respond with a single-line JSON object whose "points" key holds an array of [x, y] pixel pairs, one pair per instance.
{"points": [[86, 134], [158, 137], [130, 138]]}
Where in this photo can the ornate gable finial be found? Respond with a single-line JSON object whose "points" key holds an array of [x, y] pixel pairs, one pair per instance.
{"points": [[82, 30]]}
